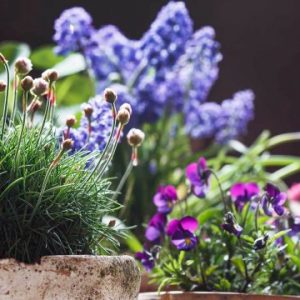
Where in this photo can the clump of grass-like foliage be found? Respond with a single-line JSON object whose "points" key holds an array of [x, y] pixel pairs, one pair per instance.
{"points": [[51, 203]]}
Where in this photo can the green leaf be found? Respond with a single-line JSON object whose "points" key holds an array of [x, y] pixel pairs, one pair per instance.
{"points": [[238, 263], [278, 235], [74, 89], [296, 260], [133, 243], [44, 57], [72, 64], [208, 214], [225, 284]]}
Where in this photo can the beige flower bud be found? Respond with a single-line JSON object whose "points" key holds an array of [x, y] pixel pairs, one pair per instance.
{"points": [[50, 75], [126, 106], [27, 83], [23, 66], [71, 120], [40, 87], [123, 116], [135, 137], [67, 144], [110, 96], [88, 110]]}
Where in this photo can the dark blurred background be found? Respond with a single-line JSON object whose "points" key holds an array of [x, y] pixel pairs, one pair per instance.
{"points": [[260, 42]]}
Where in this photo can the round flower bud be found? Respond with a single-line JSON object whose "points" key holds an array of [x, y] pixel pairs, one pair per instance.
{"points": [[88, 110], [110, 96], [40, 87], [126, 106], [27, 83], [67, 144], [23, 66], [36, 105], [135, 137], [50, 75], [2, 86], [123, 116], [71, 120]]}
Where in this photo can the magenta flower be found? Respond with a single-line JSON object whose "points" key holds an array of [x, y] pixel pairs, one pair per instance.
{"points": [[156, 228], [182, 233], [241, 193], [273, 198], [198, 175], [231, 226], [146, 258], [294, 192], [165, 198]]}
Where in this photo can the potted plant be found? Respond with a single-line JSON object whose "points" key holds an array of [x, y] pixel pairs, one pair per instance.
{"points": [[55, 204], [247, 243]]}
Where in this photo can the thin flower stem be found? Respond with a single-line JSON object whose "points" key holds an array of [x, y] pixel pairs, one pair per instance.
{"points": [[256, 217], [220, 188], [4, 116], [112, 153], [25, 98], [107, 146], [44, 122], [199, 267], [15, 88], [120, 186]]}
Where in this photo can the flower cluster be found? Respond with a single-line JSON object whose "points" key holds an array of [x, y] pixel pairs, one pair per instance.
{"points": [[170, 69], [184, 234], [95, 126]]}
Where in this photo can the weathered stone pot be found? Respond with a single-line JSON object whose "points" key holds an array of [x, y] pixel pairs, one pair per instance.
{"points": [[70, 277], [210, 296]]}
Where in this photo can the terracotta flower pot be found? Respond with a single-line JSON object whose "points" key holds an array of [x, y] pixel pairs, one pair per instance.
{"points": [[70, 277], [210, 296]]}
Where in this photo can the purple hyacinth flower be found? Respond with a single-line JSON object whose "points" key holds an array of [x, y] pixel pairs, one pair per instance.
{"points": [[146, 258], [156, 228], [231, 226], [241, 193], [273, 198], [165, 198], [182, 233], [198, 175]]}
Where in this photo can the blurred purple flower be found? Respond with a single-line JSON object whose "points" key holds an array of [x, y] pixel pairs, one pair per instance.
{"points": [[164, 42], [236, 114], [156, 228], [241, 193], [198, 174], [165, 198], [182, 233], [273, 198], [73, 30], [201, 120]]}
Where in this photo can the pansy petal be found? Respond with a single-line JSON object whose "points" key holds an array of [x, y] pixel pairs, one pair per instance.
{"points": [[237, 190], [202, 163], [279, 210], [199, 190], [189, 223], [170, 192], [252, 189], [172, 227], [272, 190], [152, 234], [266, 206], [281, 198], [192, 174]]}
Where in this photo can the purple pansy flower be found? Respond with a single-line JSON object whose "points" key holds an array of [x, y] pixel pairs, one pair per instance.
{"points": [[231, 226], [273, 198], [182, 233], [146, 258], [156, 228], [198, 175], [165, 198], [241, 193]]}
